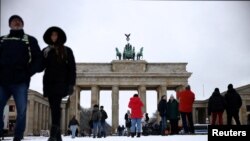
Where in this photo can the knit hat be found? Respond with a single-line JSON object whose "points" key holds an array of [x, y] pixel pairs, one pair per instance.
{"points": [[15, 17]]}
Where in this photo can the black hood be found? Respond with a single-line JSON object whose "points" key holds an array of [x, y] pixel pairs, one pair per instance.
{"points": [[61, 35]]}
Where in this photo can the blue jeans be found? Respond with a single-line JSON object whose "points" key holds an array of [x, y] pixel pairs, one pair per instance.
{"points": [[73, 130], [20, 94], [96, 128], [136, 122], [163, 123], [103, 128]]}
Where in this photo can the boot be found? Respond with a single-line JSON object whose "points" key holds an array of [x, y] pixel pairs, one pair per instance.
{"points": [[1, 135], [132, 134], [16, 139], [59, 136], [138, 135], [53, 133]]}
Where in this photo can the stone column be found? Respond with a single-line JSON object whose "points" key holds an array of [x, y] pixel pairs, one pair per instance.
{"points": [[161, 90], [40, 118], [30, 115], [63, 121], [115, 108], [44, 116], [94, 95], [243, 112], [143, 96], [77, 93], [74, 102], [47, 118], [35, 122]]}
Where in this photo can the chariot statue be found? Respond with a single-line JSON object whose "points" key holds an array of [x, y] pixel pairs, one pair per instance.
{"points": [[129, 51]]}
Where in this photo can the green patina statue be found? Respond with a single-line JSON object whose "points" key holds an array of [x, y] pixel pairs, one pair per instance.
{"points": [[129, 51], [139, 55]]}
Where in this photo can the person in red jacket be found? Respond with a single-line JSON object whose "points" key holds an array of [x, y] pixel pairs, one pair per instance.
{"points": [[136, 105], [186, 100]]}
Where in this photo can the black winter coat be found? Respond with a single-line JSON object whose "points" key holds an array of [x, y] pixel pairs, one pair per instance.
{"points": [[216, 103], [59, 76], [162, 108], [233, 101], [20, 57]]}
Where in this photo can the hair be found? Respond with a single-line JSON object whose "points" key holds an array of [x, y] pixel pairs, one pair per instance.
{"points": [[188, 87], [230, 86], [135, 95], [216, 90], [15, 17], [163, 96], [101, 107]]}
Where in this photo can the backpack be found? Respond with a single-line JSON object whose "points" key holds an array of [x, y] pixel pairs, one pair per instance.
{"points": [[24, 39]]}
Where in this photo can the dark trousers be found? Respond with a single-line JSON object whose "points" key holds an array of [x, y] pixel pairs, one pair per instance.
{"points": [[174, 126], [55, 107], [190, 126], [231, 115], [214, 118]]}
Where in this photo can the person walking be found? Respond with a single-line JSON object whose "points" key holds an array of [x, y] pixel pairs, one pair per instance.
{"points": [[233, 104], [135, 104], [162, 109], [96, 117], [73, 126], [216, 106], [127, 122], [20, 59], [186, 101], [104, 116], [59, 76], [173, 114]]}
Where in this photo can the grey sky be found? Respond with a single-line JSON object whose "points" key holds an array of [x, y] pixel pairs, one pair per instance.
{"points": [[213, 37]]}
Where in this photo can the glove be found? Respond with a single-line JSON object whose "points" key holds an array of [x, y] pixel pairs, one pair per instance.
{"points": [[70, 89]]}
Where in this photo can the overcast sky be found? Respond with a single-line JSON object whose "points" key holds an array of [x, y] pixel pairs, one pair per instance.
{"points": [[213, 37]]}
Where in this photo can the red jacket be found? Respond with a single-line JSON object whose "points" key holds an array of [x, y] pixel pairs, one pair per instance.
{"points": [[136, 104], [186, 100]]}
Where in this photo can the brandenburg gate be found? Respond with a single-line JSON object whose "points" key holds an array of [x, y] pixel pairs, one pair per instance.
{"points": [[126, 75]]}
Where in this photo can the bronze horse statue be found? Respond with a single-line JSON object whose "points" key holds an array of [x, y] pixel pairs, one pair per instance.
{"points": [[139, 54], [118, 53]]}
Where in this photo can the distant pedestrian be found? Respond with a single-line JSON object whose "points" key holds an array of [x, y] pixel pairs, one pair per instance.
{"points": [[186, 101], [104, 116], [136, 105], [73, 126], [127, 122], [96, 118], [233, 104], [162, 109], [173, 114], [216, 106]]}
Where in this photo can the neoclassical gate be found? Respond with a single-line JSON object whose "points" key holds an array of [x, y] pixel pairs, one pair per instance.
{"points": [[126, 75]]}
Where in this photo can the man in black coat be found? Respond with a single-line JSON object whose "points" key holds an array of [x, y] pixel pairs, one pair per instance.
{"points": [[233, 104], [162, 109], [20, 58], [216, 106], [103, 121]]}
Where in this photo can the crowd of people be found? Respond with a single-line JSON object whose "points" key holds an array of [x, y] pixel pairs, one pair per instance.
{"points": [[21, 57]]}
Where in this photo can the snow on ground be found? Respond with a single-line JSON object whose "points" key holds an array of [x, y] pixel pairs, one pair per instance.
{"points": [[124, 138]]}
